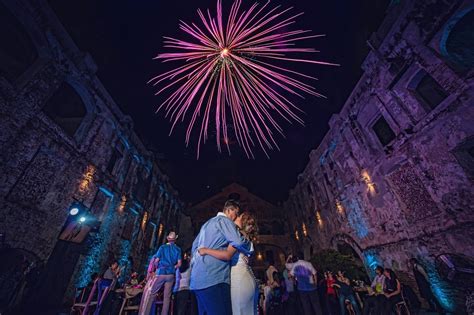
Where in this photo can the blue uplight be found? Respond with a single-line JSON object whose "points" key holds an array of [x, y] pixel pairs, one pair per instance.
{"points": [[94, 260], [356, 217], [372, 260], [439, 287]]}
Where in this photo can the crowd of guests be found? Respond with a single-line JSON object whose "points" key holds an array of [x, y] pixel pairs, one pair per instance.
{"points": [[301, 289], [169, 270], [297, 289]]}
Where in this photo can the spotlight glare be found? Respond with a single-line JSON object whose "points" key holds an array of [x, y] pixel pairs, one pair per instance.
{"points": [[82, 219], [74, 211]]}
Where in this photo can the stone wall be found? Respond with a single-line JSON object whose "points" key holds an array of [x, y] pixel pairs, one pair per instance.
{"points": [[65, 142], [393, 176]]}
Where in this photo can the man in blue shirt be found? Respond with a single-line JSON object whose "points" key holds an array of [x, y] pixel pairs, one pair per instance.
{"points": [[210, 277], [161, 271]]}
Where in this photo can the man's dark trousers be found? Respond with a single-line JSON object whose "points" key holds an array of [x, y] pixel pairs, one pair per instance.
{"points": [[310, 302], [214, 300]]}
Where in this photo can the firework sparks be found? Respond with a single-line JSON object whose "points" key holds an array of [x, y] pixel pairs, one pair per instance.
{"points": [[231, 75]]}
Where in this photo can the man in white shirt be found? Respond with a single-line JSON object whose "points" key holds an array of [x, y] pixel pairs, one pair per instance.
{"points": [[306, 278]]}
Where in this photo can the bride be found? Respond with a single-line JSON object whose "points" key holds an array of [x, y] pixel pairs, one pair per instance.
{"points": [[243, 288]]}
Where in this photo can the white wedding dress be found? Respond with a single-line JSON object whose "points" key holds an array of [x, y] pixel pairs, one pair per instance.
{"points": [[243, 287]]}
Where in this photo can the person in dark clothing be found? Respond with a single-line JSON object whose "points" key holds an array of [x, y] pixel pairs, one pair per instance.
{"points": [[345, 292], [276, 301], [423, 284], [290, 304], [184, 299], [392, 291]]}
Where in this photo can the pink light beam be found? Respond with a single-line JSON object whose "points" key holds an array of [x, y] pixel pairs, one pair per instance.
{"points": [[229, 75]]}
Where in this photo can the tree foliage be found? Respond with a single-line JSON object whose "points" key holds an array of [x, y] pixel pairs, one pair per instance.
{"points": [[332, 260]]}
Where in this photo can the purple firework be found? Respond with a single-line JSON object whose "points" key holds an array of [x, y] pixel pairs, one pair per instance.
{"points": [[231, 71]]}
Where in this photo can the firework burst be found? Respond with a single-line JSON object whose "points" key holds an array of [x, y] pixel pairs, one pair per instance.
{"points": [[231, 75]]}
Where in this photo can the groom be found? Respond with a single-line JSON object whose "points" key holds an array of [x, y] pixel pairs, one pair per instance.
{"points": [[210, 277]]}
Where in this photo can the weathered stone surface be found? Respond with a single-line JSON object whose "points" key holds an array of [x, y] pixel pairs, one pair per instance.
{"points": [[44, 170], [414, 196]]}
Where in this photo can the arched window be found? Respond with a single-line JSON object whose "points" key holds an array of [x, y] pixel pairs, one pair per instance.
{"points": [[66, 109], [17, 51], [457, 42]]}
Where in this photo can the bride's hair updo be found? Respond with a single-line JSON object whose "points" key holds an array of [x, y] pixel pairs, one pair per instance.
{"points": [[249, 225]]}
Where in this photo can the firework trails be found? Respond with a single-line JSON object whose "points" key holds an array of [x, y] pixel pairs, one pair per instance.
{"points": [[232, 75]]}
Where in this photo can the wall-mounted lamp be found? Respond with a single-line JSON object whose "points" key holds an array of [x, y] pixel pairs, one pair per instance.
{"points": [[371, 187], [305, 232], [339, 206], [318, 218]]}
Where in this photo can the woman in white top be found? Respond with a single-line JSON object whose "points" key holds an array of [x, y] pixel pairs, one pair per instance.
{"points": [[243, 287], [184, 299]]}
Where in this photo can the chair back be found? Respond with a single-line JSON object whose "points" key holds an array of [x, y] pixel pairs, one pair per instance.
{"points": [[79, 295], [90, 297], [105, 286]]}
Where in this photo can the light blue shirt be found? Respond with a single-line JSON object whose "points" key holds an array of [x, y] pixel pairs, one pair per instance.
{"points": [[216, 233]]}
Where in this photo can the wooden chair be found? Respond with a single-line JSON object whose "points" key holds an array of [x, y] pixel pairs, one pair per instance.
{"points": [[129, 293], [82, 306], [102, 295]]}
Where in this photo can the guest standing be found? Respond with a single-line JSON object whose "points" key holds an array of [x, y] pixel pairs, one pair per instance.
{"points": [[305, 275], [423, 284], [290, 304], [166, 260], [184, 301], [331, 297]]}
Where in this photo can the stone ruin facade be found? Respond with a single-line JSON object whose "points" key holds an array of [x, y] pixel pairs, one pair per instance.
{"points": [[64, 144], [393, 177]]}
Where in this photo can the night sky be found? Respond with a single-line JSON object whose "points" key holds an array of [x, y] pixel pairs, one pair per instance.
{"points": [[124, 36]]}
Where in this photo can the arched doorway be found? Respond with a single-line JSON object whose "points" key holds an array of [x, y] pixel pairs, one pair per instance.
{"points": [[346, 245], [457, 41]]}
